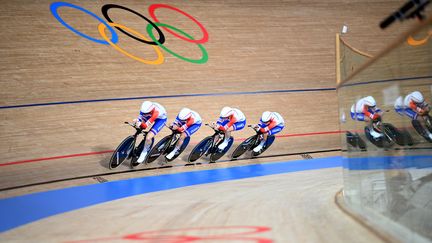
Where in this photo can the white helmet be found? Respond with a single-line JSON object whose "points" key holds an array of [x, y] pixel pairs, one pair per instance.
{"points": [[147, 107], [369, 101], [266, 116], [417, 97], [184, 114], [226, 111]]}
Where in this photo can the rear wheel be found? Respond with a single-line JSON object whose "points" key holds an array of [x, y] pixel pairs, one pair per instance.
{"points": [[244, 146], [397, 136], [200, 149], [269, 142], [137, 152], [182, 148], [122, 152], [379, 142], [218, 153]]}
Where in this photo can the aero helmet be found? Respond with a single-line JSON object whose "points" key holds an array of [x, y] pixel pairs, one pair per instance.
{"points": [[370, 101], [184, 114], [266, 116], [147, 107], [226, 112], [417, 97]]}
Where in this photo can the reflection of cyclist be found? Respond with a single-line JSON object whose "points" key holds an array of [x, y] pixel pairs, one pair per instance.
{"points": [[187, 122], [414, 106], [151, 113], [231, 119], [270, 124], [365, 110]]}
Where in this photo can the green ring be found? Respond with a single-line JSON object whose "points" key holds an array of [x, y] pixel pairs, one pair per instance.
{"points": [[204, 58]]}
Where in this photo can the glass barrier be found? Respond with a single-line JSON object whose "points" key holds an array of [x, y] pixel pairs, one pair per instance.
{"points": [[387, 136]]}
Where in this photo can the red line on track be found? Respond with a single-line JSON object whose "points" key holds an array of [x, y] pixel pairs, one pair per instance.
{"points": [[110, 151]]}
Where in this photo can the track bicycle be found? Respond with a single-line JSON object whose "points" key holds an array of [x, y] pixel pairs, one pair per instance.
{"points": [[127, 150], [250, 143], [209, 146], [426, 130], [166, 145], [390, 135]]}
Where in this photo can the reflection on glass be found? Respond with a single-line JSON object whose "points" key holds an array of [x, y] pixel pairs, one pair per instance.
{"points": [[387, 143]]}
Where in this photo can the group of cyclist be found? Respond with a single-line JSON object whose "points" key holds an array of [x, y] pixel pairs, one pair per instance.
{"points": [[413, 106], [154, 116]]}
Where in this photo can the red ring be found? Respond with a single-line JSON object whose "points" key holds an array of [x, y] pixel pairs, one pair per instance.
{"points": [[153, 7]]}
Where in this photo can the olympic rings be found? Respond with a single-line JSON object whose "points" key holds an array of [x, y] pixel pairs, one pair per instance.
{"points": [[160, 58], [54, 7], [107, 7], [199, 61], [153, 7], [136, 35]]}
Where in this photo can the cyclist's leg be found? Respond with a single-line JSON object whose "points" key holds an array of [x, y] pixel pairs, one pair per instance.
{"points": [[187, 133], [227, 133], [272, 131], [157, 126]]}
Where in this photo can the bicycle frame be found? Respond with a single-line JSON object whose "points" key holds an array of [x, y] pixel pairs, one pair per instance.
{"points": [[219, 134]]}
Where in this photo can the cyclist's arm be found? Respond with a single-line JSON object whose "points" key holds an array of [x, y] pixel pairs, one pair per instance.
{"points": [[368, 114], [229, 124], [189, 123], [150, 120], [269, 127]]}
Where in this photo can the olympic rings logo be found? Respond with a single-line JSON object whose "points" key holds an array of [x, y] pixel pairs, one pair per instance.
{"points": [[155, 24], [413, 42]]}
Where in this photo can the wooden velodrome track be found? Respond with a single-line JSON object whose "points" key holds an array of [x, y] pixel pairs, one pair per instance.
{"points": [[64, 98]]}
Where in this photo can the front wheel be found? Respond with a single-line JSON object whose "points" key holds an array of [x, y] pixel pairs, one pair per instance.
{"points": [[379, 142], [122, 152], [200, 149], [158, 149], [244, 146]]}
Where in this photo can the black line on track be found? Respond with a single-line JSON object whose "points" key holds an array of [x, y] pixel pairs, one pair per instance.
{"points": [[94, 176]]}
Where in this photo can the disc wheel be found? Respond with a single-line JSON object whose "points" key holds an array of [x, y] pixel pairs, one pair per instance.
{"points": [[269, 142], [158, 149], [122, 152], [200, 149], [182, 148], [244, 146], [217, 154]]}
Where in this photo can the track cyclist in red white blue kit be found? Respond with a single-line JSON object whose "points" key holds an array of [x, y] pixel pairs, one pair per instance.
{"points": [[151, 114], [187, 123], [270, 124], [231, 119]]}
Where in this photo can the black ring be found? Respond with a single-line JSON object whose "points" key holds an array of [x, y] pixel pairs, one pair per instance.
{"points": [[107, 7]]}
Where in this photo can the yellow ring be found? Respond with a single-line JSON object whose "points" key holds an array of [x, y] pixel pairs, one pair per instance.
{"points": [[159, 59], [413, 42]]}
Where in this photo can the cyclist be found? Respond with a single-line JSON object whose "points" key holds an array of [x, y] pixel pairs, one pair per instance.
{"points": [[231, 119], [187, 122], [365, 110], [414, 106], [152, 115], [270, 124]]}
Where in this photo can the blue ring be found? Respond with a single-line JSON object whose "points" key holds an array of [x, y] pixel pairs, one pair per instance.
{"points": [[54, 6]]}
